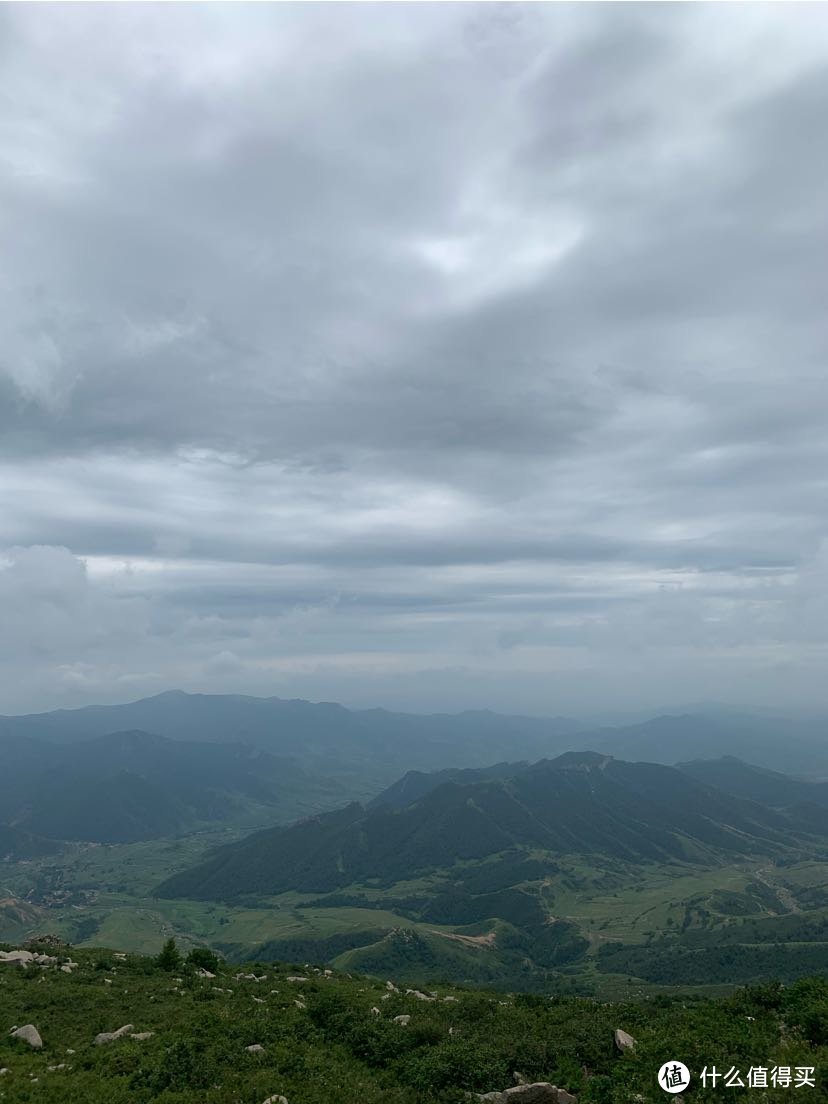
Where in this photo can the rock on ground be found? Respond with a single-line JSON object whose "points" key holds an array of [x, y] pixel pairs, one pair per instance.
{"points": [[16, 958], [623, 1040], [29, 1034], [111, 1036], [256, 1048], [539, 1092]]}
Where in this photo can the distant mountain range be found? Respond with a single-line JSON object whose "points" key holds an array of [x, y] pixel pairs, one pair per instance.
{"points": [[370, 744], [793, 745], [382, 745], [578, 804], [741, 779], [166, 764]]}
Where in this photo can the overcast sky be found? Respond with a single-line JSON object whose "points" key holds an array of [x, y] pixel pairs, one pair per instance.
{"points": [[438, 356]]}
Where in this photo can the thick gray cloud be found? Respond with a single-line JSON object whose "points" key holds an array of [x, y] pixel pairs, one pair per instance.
{"points": [[429, 356]]}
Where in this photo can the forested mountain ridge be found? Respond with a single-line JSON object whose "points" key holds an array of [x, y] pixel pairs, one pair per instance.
{"points": [[416, 784], [579, 803]]}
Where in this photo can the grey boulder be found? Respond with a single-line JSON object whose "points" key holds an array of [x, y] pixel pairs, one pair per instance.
{"points": [[29, 1034], [111, 1036], [623, 1040]]}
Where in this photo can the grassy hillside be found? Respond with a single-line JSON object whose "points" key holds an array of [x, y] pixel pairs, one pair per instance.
{"points": [[337, 1038]]}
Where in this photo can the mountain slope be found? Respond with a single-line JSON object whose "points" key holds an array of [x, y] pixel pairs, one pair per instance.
{"points": [[582, 803], [16, 844], [134, 785], [416, 784], [769, 787]]}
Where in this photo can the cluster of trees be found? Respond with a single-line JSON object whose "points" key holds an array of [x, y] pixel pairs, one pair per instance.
{"points": [[200, 958], [732, 964]]}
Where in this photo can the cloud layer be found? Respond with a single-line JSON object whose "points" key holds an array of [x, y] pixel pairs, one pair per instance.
{"points": [[431, 356]]}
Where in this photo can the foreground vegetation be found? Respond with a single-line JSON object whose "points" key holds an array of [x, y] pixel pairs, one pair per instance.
{"points": [[335, 1037]]}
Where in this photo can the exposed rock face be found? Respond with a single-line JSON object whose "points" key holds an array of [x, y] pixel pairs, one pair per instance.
{"points": [[623, 1040], [403, 1020], [29, 1034], [539, 1092], [110, 1036], [141, 1035], [202, 973]]}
